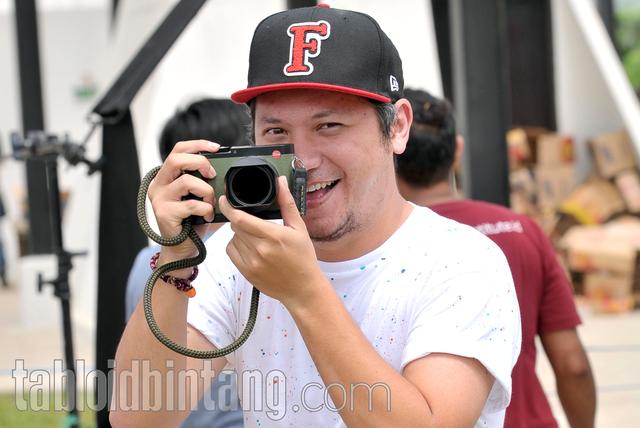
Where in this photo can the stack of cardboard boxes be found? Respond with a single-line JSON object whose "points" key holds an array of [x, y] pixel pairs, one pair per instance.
{"points": [[595, 224], [542, 172]]}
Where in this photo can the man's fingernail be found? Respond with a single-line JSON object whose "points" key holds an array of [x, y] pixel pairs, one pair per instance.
{"points": [[214, 145], [212, 171]]}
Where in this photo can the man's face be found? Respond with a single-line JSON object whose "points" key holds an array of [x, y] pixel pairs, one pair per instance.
{"points": [[338, 138]]}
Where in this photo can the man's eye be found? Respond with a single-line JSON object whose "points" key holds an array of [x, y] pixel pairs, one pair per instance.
{"points": [[329, 125], [274, 131]]}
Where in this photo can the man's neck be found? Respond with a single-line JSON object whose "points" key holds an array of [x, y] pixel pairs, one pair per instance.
{"points": [[367, 239], [425, 196]]}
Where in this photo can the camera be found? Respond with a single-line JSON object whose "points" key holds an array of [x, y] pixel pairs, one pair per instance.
{"points": [[248, 176]]}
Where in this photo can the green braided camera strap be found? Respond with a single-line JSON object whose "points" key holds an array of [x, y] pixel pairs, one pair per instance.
{"points": [[187, 232]]}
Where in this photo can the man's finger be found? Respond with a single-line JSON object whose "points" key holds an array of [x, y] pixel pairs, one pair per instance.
{"points": [[234, 255], [181, 210], [186, 184], [238, 252], [288, 208], [195, 146], [177, 163]]}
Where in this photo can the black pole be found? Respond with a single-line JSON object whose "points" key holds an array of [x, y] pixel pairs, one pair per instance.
{"points": [[40, 241], [61, 284], [114, 9], [481, 89], [45, 149], [440, 9], [29, 63]]}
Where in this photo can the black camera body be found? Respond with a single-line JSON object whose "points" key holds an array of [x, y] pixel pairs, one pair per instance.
{"points": [[247, 176]]}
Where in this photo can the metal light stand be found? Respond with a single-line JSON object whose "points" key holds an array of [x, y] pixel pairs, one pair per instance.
{"points": [[44, 148]]}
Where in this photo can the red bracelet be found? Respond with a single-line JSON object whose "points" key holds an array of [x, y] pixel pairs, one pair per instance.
{"points": [[182, 284]]}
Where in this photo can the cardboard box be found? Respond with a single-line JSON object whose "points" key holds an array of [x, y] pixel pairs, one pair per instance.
{"points": [[522, 181], [521, 204], [607, 256], [554, 184], [609, 293], [554, 149], [612, 247], [593, 202], [521, 143], [613, 153], [563, 223], [628, 183], [518, 148]]}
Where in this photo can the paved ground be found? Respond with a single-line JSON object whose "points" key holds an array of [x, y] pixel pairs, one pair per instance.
{"points": [[613, 345], [612, 341]]}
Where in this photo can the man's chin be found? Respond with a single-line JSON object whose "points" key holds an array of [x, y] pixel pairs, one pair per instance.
{"points": [[329, 233]]}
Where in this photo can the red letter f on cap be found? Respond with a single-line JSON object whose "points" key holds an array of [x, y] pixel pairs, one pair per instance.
{"points": [[305, 44]]}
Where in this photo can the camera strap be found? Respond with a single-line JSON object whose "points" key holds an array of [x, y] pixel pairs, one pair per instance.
{"points": [[300, 186], [187, 232]]}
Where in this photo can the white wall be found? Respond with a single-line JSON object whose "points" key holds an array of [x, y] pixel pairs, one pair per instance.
{"points": [[593, 95], [209, 59], [409, 24], [10, 172], [72, 39]]}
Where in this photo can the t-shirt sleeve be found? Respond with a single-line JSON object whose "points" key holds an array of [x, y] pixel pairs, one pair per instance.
{"points": [[470, 309], [557, 306], [211, 311]]}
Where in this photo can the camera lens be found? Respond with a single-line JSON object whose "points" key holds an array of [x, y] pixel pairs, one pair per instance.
{"points": [[251, 186]]}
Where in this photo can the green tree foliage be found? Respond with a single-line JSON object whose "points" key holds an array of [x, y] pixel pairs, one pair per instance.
{"points": [[627, 36]]}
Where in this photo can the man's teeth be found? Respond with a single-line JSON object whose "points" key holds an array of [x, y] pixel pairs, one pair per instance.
{"points": [[318, 186]]}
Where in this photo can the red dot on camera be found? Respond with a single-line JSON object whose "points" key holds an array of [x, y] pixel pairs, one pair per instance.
{"points": [[276, 154]]}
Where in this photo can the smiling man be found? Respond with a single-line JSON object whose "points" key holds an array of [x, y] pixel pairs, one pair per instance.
{"points": [[375, 312]]}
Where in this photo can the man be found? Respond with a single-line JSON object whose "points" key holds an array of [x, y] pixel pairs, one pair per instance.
{"points": [[544, 293], [374, 312]]}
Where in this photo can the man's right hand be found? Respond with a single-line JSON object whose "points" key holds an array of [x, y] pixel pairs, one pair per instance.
{"points": [[171, 184]]}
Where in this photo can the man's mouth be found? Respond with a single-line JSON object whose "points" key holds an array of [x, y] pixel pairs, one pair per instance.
{"points": [[321, 185], [316, 191]]}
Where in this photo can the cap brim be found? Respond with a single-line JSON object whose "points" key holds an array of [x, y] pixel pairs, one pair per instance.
{"points": [[248, 94]]}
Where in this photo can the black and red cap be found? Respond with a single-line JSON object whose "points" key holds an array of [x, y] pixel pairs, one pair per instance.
{"points": [[323, 48]]}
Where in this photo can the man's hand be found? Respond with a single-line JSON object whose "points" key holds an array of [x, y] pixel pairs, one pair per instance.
{"points": [[171, 184], [278, 260]]}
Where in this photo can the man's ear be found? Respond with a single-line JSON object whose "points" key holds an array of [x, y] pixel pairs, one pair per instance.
{"points": [[457, 157], [401, 126]]}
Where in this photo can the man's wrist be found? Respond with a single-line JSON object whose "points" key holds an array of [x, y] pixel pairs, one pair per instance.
{"points": [[165, 258], [316, 290]]}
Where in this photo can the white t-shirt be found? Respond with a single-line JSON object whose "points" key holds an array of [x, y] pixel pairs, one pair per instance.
{"points": [[434, 286]]}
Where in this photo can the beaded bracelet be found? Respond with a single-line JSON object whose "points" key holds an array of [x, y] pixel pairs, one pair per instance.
{"points": [[182, 284]]}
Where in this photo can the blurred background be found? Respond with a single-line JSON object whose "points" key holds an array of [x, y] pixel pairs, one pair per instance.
{"points": [[546, 96]]}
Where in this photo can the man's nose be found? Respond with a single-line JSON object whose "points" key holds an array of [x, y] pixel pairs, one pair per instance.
{"points": [[307, 151]]}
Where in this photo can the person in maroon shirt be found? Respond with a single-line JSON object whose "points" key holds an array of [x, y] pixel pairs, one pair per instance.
{"points": [[425, 177]]}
